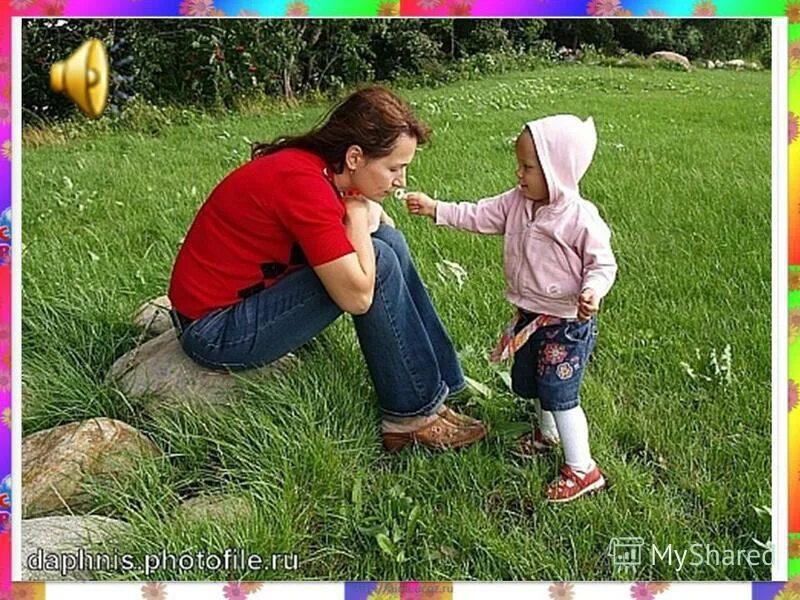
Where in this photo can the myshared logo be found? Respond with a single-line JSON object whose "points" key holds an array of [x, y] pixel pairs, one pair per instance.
{"points": [[629, 553]]}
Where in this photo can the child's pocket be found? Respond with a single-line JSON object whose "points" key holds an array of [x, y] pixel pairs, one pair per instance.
{"points": [[579, 331]]}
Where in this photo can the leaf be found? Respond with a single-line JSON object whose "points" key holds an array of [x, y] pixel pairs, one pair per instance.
{"points": [[397, 534], [413, 517], [506, 377], [448, 268], [478, 387], [763, 510], [93, 256], [372, 530], [448, 551], [357, 494], [768, 545], [511, 428], [385, 544]]}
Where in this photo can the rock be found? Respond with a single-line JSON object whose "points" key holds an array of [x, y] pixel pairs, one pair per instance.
{"points": [[58, 462], [208, 507], [754, 66], [737, 64], [719, 64], [152, 317], [160, 369], [69, 537], [672, 57], [710, 64]]}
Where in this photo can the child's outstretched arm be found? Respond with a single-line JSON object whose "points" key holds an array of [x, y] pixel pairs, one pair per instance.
{"points": [[487, 216], [421, 204]]}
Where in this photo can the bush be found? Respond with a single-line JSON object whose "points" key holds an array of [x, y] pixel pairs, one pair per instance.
{"points": [[211, 63], [482, 37], [543, 51], [403, 50]]}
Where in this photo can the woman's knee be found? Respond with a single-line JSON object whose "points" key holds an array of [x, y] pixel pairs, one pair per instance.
{"points": [[386, 260], [394, 238]]}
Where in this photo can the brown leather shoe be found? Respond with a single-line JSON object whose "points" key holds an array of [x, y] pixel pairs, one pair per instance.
{"points": [[457, 418], [440, 434]]}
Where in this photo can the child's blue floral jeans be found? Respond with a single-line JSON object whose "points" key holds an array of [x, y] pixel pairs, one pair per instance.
{"points": [[551, 364]]}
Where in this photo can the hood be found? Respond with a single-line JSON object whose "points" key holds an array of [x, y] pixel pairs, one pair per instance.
{"points": [[565, 146]]}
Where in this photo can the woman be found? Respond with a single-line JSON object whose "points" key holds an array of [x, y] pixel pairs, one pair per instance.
{"points": [[282, 247]]}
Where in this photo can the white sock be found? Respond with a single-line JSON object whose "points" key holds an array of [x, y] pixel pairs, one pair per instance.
{"points": [[392, 424], [574, 431], [547, 424]]}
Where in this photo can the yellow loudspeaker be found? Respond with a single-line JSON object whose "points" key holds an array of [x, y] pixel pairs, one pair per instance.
{"points": [[83, 77]]}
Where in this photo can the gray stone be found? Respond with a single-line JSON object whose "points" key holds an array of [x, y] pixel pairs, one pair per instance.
{"points": [[710, 64], [58, 462], [161, 370], [673, 57], [215, 508], [152, 317], [737, 64], [69, 538]]}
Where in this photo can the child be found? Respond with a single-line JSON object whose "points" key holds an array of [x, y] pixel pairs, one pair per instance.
{"points": [[558, 266]]}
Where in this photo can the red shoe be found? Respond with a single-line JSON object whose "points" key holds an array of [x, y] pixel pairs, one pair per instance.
{"points": [[535, 443], [570, 485]]}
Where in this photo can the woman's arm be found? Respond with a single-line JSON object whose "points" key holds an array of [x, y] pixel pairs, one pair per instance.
{"points": [[350, 279]]}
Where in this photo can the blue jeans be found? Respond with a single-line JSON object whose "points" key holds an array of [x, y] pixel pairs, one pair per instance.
{"points": [[409, 355], [551, 364]]}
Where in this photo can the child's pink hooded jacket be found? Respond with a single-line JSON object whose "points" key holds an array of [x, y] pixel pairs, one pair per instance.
{"points": [[566, 248]]}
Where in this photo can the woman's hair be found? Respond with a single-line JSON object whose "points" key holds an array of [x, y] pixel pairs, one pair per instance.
{"points": [[372, 118]]}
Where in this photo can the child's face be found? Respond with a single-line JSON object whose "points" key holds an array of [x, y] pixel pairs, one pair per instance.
{"points": [[529, 170]]}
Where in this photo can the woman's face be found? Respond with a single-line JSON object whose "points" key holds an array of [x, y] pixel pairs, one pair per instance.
{"points": [[376, 178]]}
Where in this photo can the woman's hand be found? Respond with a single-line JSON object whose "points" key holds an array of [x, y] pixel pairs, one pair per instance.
{"points": [[385, 218], [421, 204], [375, 216], [350, 279]]}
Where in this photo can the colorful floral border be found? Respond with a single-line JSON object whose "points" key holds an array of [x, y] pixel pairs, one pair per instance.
{"points": [[393, 8], [413, 590]]}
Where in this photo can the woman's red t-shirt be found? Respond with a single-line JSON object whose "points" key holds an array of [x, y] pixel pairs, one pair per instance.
{"points": [[266, 219]]}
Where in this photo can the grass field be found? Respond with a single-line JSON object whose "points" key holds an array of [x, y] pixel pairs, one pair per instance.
{"points": [[681, 426]]}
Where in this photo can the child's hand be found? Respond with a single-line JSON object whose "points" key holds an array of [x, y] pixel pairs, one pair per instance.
{"points": [[587, 304], [421, 204]]}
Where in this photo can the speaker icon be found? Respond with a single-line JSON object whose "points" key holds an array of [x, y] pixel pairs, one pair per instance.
{"points": [[83, 77]]}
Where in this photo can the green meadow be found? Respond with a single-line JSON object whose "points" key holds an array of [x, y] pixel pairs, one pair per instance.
{"points": [[678, 394]]}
